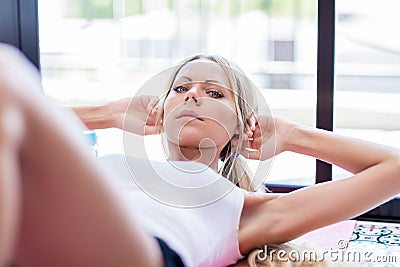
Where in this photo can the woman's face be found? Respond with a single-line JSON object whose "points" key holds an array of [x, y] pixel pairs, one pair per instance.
{"points": [[199, 110]]}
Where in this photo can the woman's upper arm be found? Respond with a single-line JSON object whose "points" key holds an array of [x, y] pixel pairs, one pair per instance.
{"points": [[292, 215]]}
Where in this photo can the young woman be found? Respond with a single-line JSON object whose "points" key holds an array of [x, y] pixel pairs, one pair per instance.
{"points": [[58, 208]]}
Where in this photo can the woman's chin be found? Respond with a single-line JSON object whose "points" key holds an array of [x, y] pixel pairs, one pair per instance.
{"points": [[193, 139]]}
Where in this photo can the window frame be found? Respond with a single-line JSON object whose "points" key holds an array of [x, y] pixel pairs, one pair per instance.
{"points": [[20, 20]]}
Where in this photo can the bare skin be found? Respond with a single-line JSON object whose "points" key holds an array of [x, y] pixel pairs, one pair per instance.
{"points": [[272, 218], [48, 214]]}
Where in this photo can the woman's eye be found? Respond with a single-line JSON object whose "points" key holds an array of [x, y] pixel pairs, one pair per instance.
{"points": [[215, 94], [180, 89]]}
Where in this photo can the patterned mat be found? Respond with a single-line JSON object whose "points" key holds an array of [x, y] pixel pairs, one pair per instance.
{"points": [[381, 235], [379, 241]]}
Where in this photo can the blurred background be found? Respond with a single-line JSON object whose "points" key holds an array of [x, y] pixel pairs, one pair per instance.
{"points": [[93, 51]]}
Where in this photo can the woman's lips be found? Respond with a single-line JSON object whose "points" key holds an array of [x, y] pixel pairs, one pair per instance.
{"points": [[189, 114]]}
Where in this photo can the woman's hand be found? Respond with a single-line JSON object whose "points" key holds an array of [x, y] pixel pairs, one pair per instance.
{"points": [[136, 115], [265, 137]]}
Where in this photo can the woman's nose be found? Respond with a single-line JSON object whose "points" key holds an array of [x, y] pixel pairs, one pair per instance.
{"points": [[192, 95]]}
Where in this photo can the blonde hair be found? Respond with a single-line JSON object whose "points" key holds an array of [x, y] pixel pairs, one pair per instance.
{"points": [[234, 166]]}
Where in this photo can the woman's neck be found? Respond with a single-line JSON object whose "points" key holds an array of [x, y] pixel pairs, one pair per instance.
{"points": [[208, 156]]}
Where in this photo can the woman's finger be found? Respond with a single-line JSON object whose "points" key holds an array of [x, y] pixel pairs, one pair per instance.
{"points": [[249, 132], [252, 122]]}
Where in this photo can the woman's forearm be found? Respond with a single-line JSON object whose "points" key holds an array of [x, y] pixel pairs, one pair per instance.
{"points": [[349, 153], [95, 117]]}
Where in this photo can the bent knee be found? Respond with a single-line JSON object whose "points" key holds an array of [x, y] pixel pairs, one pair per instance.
{"points": [[17, 73], [9, 54]]}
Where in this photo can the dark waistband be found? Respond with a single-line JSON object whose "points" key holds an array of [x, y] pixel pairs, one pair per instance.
{"points": [[171, 258]]}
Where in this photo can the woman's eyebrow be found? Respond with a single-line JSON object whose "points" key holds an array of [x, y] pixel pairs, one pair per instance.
{"points": [[187, 78], [220, 84], [212, 81], [207, 81]]}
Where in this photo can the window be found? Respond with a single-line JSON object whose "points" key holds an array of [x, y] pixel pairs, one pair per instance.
{"points": [[94, 51], [367, 80], [367, 92]]}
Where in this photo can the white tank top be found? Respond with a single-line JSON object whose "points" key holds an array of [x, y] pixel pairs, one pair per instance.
{"points": [[202, 223]]}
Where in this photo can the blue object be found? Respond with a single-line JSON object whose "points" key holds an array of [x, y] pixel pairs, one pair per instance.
{"points": [[91, 139]]}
